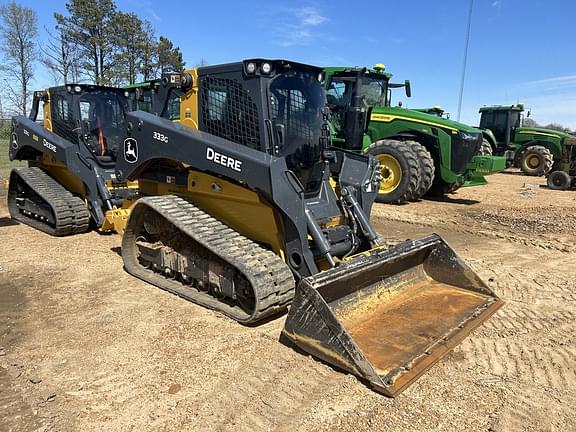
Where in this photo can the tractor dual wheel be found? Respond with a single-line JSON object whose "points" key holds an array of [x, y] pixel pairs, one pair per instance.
{"points": [[427, 168], [559, 180], [485, 148], [536, 161], [400, 171]]}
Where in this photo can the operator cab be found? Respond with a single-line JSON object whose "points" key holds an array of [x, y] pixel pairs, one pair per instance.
{"points": [[351, 96], [502, 121], [91, 115], [273, 106]]}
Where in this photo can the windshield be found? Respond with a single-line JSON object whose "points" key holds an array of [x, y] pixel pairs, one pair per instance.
{"points": [[297, 100], [373, 90], [103, 118]]}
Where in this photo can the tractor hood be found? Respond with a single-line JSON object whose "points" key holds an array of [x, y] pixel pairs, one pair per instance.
{"points": [[543, 131], [420, 117]]}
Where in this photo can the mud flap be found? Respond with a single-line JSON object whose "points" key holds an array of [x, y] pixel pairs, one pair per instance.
{"points": [[388, 315]]}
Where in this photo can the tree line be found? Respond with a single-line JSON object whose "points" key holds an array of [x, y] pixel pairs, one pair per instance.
{"points": [[93, 41]]}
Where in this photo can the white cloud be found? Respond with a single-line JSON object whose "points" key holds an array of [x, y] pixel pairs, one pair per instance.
{"points": [[553, 109], [310, 16], [153, 14], [297, 26], [552, 84], [496, 4]]}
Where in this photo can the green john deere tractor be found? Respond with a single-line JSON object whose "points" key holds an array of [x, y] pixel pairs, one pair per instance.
{"points": [[419, 153], [536, 151], [564, 176]]}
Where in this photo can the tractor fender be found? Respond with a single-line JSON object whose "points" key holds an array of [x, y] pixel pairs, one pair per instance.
{"points": [[489, 136]]}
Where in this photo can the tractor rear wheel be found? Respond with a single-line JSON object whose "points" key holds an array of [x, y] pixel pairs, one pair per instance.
{"points": [[485, 148], [536, 161], [559, 180], [427, 168], [399, 168]]}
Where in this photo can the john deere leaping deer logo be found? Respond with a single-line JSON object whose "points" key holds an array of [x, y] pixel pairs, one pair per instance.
{"points": [[130, 150]]}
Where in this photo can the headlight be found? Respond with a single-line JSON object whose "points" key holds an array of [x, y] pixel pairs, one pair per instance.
{"points": [[266, 68], [251, 68], [468, 136]]}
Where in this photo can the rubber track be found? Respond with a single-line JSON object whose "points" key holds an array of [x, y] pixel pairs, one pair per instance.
{"points": [[70, 212], [270, 278]]}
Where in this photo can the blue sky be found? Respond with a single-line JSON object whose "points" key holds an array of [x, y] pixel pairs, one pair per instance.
{"points": [[520, 50]]}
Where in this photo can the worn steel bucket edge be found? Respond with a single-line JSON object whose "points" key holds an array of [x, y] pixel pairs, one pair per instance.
{"points": [[313, 327]]}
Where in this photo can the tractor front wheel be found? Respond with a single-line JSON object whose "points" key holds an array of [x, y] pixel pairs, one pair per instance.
{"points": [[399, 168], [485, 148], [559, 180], [536, 161]]}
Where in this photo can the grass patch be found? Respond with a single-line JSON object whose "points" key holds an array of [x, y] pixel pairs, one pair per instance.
{"points": [[5, 164]]}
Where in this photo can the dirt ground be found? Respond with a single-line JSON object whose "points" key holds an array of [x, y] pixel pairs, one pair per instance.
{"points": [[86, 347]]}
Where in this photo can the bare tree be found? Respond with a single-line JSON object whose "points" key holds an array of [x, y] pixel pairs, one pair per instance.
{"points": [[528, 122], [61, 57], [18, 34], [555, 126]]}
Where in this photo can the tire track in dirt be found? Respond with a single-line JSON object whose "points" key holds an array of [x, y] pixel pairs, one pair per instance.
{"points": [[534, 288], [383, 217], [15, 414], [528, 408], [511, 360], [514, 320], [274, 389]]}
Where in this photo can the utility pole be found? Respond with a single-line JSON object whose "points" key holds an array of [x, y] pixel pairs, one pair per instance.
{"points": [[465, 59]]}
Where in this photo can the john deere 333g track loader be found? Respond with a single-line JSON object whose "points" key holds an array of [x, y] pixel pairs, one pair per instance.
{"points": [[246, 209]]}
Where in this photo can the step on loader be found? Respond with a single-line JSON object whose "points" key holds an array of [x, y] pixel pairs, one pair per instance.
{"points": [[245, 208]]}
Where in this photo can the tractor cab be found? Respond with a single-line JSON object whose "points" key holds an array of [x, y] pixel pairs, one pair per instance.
{"points": [[502, 121], [160, 96], [85, 114], [351, 94]]}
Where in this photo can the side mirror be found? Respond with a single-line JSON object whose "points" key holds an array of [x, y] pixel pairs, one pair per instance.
{"points": [[408, 88], [528, 113]]}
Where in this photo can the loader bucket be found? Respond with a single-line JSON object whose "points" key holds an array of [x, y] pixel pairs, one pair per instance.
{"points": [[389, 315]]}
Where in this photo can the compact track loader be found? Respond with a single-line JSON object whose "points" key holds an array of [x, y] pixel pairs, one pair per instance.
{"points": [[71, 181], [246, 209]]}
